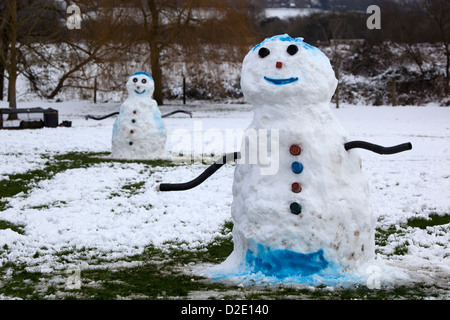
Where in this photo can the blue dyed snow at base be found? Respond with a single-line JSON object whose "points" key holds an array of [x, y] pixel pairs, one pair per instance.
{"points": [[332, 276], [284, 263], [262, 266]]}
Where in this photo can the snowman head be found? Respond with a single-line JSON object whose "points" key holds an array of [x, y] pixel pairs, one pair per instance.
{"points": [[140, 85], [287, 71]]}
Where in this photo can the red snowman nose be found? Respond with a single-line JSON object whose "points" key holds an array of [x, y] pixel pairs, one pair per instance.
{"points": [[279, 65]]}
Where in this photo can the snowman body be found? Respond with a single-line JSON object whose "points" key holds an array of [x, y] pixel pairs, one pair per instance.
{"points": [[312, 213], [139, 132]]}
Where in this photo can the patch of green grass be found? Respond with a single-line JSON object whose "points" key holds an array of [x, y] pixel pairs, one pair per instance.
{"points": [[382, 234], [14, 227], [149, 281], [215, 252], [157, 276], [133, 186], [434, 220], [401, 249], [356, 293], [23, 182], [417, 292], [3, 205], [157, 273], [56, 204], [23, 284]]}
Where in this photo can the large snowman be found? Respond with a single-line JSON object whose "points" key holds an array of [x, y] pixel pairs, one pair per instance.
{"points": [[307, 210], [314, 212], [139, 131]]}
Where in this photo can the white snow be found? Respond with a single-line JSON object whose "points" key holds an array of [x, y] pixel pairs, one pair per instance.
{"points": [[88, 208]]}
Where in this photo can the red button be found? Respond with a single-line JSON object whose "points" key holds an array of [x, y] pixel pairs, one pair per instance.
{"points": [[295, 150], [131, 131], [134, 111], [296, 187]]}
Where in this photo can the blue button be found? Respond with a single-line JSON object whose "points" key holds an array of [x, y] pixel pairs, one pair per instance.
{"points": [[297, 167]]}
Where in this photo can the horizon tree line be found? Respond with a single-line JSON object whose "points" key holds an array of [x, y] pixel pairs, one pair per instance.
{"points": [[34, 36]]}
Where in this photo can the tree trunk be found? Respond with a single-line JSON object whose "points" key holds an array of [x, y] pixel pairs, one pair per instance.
{"points": [[336, 96], [447, 67], [95, 90], [155, 52], [4, 43], [394, 93], [13, 61], [2, 81], [156, 74]]}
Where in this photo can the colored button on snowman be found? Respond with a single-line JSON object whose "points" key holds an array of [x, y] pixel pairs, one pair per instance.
{"points": [[297, 168]]}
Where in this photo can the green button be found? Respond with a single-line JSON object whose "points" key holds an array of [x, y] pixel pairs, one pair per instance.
{"points": [[296, 208]]}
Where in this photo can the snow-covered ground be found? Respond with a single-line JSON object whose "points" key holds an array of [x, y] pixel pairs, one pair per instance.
{"points": [[87, 209]]}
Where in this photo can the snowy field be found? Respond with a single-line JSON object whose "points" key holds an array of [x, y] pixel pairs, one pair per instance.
{"points": [[112, 209]]}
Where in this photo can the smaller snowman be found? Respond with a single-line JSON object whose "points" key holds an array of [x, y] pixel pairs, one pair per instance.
{"points": [[139, 131]]}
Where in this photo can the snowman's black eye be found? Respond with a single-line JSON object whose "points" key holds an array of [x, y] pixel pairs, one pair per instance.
{"points": [[135, 80], [263, 52], [292, 49], [144, 81]]}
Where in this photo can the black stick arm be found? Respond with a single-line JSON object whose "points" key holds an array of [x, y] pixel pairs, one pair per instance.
{"points": [[201, 178], [116, 113], [376, 148], [176, 111], [101, 118]]}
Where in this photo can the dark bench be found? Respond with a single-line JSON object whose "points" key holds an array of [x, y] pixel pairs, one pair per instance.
{"points": [[50, 118]]}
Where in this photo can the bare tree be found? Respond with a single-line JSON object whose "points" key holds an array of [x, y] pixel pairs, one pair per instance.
{"points": [[337, 47], [22, 23], [79, 56], [110, 33], [189, 25], [5, 23], [12, 66], [438, 11], [431, 19]]}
